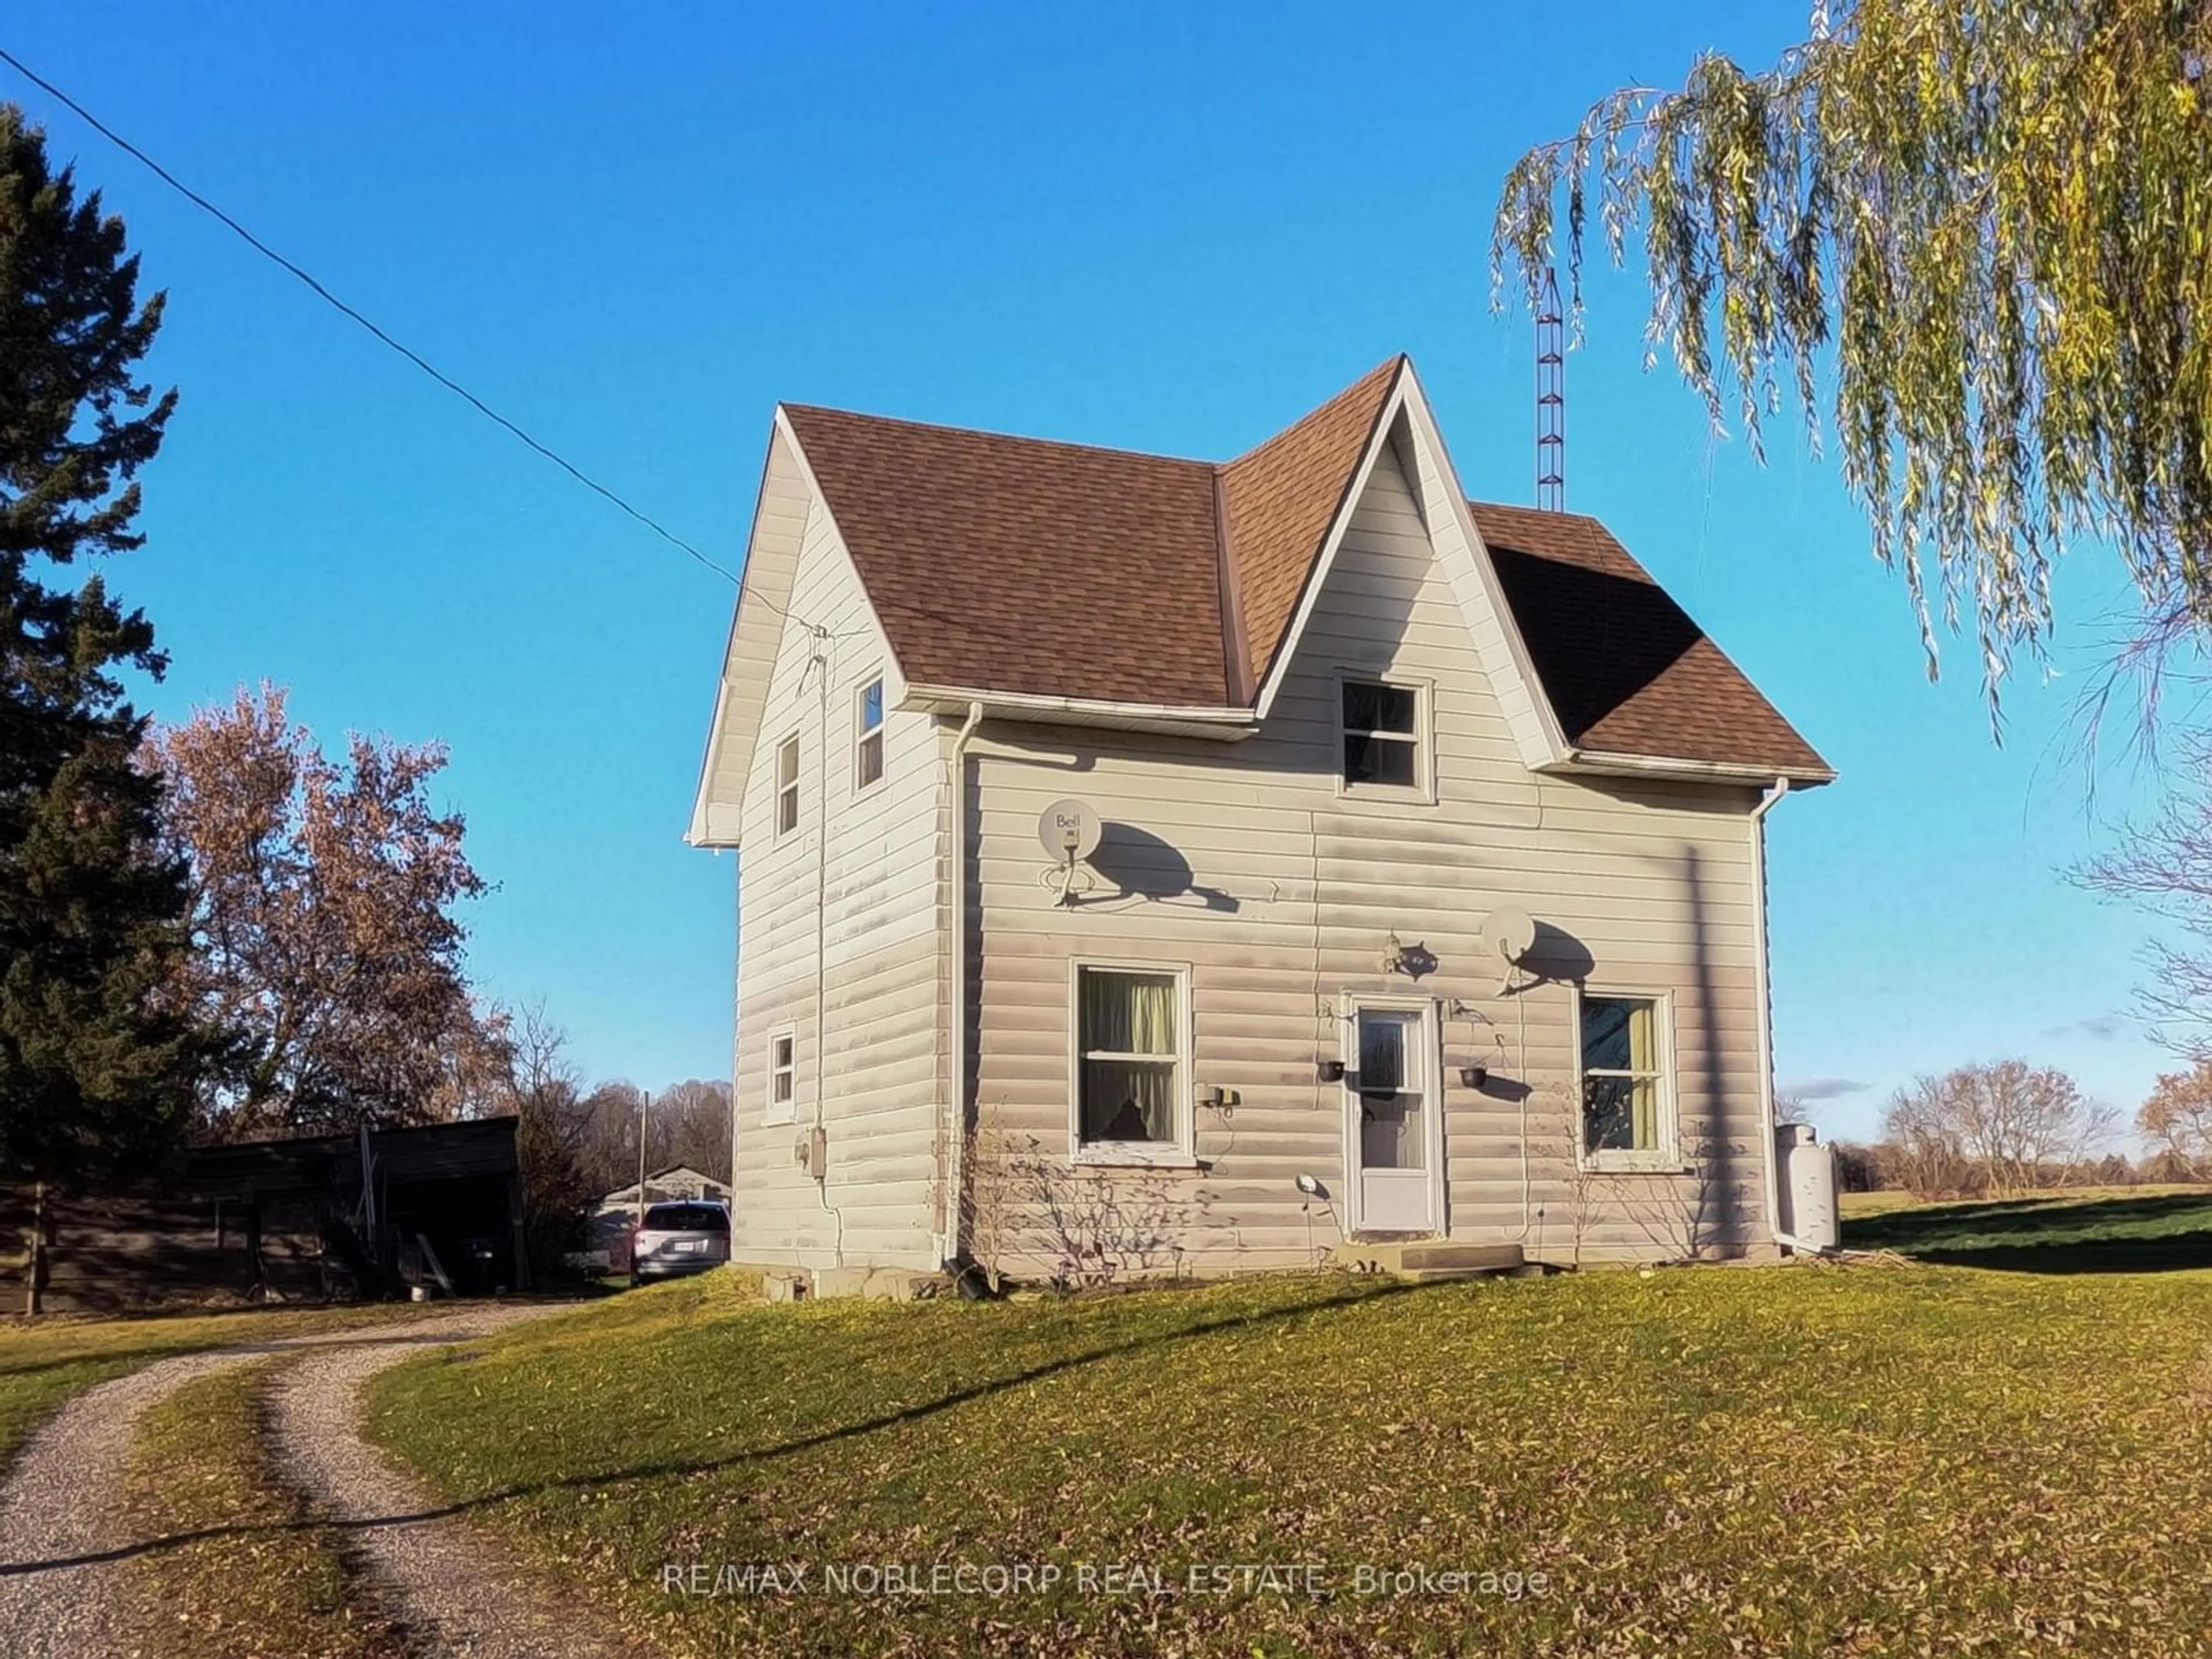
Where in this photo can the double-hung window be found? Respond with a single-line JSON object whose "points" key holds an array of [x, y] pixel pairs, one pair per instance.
{"points": [[868, 734], [787, 784], [1627, 1092], [1131, 1061], [783, 1076], [1382, 736]]}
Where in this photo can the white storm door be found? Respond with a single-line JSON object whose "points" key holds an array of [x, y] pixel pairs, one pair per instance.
{"points": [[1393, 1128]]}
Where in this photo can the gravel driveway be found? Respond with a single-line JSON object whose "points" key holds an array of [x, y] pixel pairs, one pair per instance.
{"points": [[59, 1599], [64, 1548], [460, 1593]]}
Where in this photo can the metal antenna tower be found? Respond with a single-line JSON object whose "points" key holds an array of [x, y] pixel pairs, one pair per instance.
{"points": [[1550, 399]]}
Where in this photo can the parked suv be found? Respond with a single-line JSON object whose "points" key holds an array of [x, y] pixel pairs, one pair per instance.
{"points": [[687, 1237]]}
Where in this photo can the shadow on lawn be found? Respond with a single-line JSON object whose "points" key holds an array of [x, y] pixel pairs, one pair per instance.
{"points": [[979, 1390], [2153, 1234]]}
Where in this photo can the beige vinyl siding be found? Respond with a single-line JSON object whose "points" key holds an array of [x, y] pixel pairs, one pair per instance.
{"points": [[755, 641], [1247, 862], [865, 906], [1436, 499]]}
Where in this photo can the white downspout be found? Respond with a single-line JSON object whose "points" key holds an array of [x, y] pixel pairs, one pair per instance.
{"points": [[820, 661], [948, 1238], [1767, 803]]}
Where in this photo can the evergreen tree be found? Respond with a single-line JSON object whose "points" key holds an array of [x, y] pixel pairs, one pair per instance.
{"points": [[97, 1064]]}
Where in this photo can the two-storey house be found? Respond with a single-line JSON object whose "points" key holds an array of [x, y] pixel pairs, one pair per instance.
{"points": [[1155, 864]]}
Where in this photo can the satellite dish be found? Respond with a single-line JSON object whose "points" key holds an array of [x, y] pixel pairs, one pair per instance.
{"points": [[1511, 933], [1068, 830]]}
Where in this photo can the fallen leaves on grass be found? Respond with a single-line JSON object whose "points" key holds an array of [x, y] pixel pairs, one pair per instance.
{"points": [[1918, 1460]]}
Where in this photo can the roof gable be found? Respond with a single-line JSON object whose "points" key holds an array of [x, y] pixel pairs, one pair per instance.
{"points": [[1403, 426], [1281, 502], [772, 555]]}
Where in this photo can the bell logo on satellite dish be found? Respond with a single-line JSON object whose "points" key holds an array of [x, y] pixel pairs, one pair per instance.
{"points": [[1068, 830], [1512, 931]]}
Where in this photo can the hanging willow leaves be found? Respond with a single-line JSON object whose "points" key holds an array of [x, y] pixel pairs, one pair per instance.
{"points": [[1992, 220]]}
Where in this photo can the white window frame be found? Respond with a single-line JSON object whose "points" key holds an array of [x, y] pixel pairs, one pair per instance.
{"points": [[791, 744], [1666, 1157], [1179, 1153], [786, 1110], [1423, 737], [862, 733]]}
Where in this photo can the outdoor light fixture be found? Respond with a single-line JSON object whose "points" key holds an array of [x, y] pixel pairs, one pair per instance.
{"points": [[1311, 1191]]}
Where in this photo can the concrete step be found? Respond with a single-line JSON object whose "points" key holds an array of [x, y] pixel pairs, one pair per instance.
{"points": [[1478, 1258], [1426, 1259]]}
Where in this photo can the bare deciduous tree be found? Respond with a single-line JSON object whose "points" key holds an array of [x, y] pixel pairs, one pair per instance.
{"points": [[2166, 867], [607, 1143], [323, 894], [2008, 1128], [1924, 1152], [2177, 1117], [546, 1095], [689, 1123]]}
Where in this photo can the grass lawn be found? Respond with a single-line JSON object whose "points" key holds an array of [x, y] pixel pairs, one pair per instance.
{"points": [[43, 1361], [2099, 1229], [1814, 1461], [254, 1582]]}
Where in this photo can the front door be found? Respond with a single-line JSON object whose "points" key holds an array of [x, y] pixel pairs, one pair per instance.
{"points": [[1393, 1139]]}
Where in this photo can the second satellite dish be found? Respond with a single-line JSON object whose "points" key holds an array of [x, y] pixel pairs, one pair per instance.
{"points": [[1069, 831], [1511, 933]]}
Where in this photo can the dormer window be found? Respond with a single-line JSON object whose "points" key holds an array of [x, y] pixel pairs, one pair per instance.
{"points": [[1382, 736]]}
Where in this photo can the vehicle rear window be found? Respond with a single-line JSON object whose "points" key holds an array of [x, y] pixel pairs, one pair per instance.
{"points": [[686, 1219]]}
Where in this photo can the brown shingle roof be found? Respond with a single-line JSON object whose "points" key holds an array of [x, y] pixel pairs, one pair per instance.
{"points": [[1624, 669], [1050, 569], [1281, 498], [1009, 564]]}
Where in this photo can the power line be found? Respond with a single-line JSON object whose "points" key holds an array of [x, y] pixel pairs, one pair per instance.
{"points": [[340, 306]]}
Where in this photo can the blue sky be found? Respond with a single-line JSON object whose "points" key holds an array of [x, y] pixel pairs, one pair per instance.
{"points": [[1165, 227]]}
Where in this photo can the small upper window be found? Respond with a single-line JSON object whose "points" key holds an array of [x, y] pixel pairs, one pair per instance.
{"points": [[786, 785], [1381, 734], [868, 759], [782, 1074], [1624, 1080]]}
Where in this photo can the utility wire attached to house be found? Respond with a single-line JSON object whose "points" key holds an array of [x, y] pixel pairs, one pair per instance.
{"points": [[341, 307]]}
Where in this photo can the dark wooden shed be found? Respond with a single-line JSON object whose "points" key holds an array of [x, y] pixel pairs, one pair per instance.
{"points": [[322, 1218]]}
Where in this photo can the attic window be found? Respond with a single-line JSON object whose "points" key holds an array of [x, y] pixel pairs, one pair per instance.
{"points": [[787, 784], [868, 742], [1381, 734]]}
